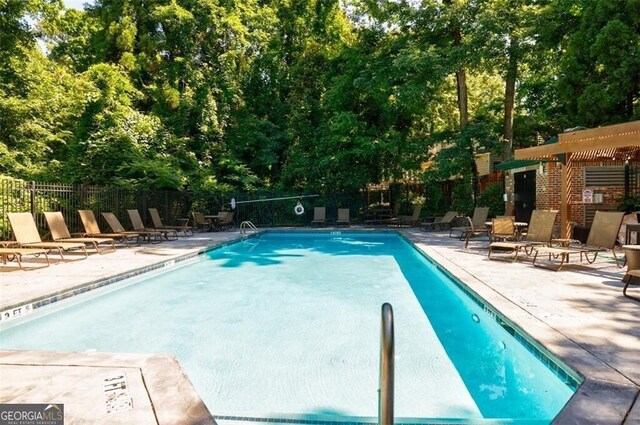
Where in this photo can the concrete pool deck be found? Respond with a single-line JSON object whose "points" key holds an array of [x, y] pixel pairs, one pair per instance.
{"points": [[578, 314]]}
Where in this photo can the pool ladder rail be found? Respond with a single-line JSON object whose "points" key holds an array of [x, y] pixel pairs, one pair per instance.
{"points": [[387, 360], [247, 225]]}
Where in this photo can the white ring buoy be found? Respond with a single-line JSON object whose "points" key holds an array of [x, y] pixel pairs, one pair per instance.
{"points": [[298, 209]]}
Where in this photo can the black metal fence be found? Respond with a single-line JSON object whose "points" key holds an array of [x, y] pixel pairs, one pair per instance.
{"points": [[38, 197]]}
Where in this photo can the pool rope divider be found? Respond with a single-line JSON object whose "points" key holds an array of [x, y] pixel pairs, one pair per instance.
{"points": [[569, 376], [28, 307]]}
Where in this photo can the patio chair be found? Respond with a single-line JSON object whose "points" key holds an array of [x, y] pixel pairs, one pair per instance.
{"points": [[602, 237], [407, 220], [200, 222], [138, 225], [343, 217], [632, 255], [92, 229], [471, 231], [502, 229], [319, 216], [157, 224], [225, 220], [117, 227], [539, 232], [10, 253], [60, 232], [478, 220], [26, 233], [441, 222]]}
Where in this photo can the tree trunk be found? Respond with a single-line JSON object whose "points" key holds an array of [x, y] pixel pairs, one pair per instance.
{"points": [[461, 85], [509, 100], [461, 79]]}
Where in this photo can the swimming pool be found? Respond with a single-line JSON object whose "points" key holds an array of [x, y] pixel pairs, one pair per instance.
{"points": [[287, 326]]}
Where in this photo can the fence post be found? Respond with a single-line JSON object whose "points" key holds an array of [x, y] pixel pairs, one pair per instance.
{"points": [[81, 197], [32, 196]]}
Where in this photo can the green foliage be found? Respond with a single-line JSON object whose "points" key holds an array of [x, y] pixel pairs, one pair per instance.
{"points": [[462, 199], [601, 66], [629, 203], [161, 173], [434, 199], [492, 198], [306, 95]]}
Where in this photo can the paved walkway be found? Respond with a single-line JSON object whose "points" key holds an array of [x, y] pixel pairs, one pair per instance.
{"points": [[579, 314]]}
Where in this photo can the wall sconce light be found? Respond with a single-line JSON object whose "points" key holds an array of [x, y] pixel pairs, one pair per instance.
{"points": [[541, 169]]}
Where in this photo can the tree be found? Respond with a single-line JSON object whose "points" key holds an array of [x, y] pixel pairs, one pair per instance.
{"points": [[600, 72]]}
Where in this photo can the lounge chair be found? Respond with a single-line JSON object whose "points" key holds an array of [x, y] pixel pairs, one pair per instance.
{"points": [[60, 232], [92, 229], [117, 227], [480, 215], [157, 224], [632, 255], [26, 233], [200, 221], [17, 253], [319, 216], [441, 222], [343, 217], [407, 220], [138, 225], [539, 233], [471, 231], [602, 237]]}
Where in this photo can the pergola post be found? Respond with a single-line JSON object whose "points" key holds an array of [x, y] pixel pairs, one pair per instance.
{"points": [[565, 198]]}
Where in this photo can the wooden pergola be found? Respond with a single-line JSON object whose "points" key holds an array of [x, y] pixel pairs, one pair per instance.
{"points": [[619, 142]]}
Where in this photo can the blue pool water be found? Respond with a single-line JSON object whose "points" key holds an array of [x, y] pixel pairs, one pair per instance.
{"points": [[287, 326]]}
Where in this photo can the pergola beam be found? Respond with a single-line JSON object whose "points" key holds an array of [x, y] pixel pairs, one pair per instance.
{"points": [[601, 133], [609, 137], [537, 152]]}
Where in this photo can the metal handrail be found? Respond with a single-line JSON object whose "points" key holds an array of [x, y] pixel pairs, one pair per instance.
{"points": [[387, 360], [250, 225]]}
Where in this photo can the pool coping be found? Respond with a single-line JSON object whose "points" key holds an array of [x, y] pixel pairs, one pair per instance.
{"points": [[174, 400], [601, 383]]}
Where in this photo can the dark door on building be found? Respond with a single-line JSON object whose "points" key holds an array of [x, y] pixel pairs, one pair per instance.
{"points": [[524, 193]]}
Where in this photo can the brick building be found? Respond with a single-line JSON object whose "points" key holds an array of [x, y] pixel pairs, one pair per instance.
{"points": [[582, 172]]}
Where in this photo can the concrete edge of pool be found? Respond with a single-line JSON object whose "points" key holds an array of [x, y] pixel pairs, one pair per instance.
{"points": [[160, 391], [605, 396]]}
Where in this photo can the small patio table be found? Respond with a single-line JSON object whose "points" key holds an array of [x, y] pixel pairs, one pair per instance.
{"points": [[379, 215], [631, 228], [214, 221]]}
